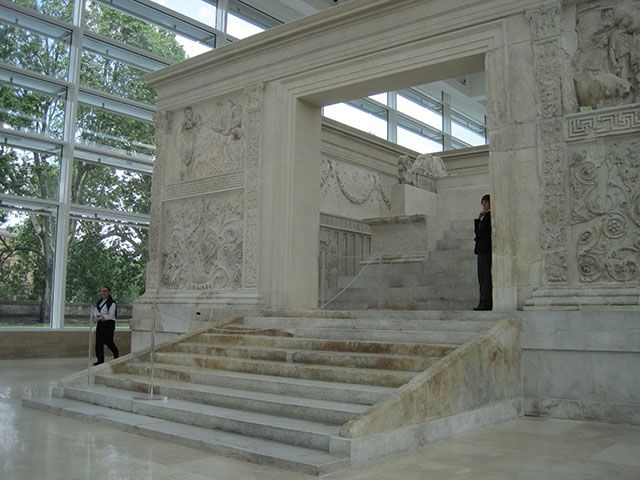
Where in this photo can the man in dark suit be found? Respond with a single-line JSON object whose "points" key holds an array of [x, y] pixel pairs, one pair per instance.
{"points": [[482, 249], [105, 314]]}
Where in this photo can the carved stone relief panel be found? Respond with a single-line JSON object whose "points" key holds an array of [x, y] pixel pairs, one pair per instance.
{"points": [[358, 186], [208, 139], [202, 242], [605, 211], [606, 66]]}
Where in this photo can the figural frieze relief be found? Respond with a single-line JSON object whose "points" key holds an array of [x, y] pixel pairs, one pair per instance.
{"points": [[211, 139], [357, 185], [605, 212], [202, 242], [607, 63], [426, 165]]}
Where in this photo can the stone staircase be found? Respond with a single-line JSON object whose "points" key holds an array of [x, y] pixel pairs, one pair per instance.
{"points": [[272, 390], [445, 280]]}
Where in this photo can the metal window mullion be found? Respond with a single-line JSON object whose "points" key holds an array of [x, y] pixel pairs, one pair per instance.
{"points": [[66, 169], [446, 121], [392, 117], [222, 10]]}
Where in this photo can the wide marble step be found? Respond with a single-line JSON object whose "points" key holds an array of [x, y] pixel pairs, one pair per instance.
{"points": [[416, 294], [390, 304], [462, 325], [307, 388], [305, 460], [298, 343], [289, 430], [429, 337], [448, 315], [273, 404], [368, 376], [335, 358]]}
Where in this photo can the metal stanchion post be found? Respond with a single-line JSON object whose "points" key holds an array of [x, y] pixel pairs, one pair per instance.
{"points": [[380, 281], [89, 362], [322, 276], [150, 395]]}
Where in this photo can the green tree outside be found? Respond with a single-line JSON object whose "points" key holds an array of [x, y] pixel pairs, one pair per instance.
{"points": [[99, 253]]}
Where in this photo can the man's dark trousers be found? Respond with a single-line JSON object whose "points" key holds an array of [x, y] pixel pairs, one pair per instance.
{"points": [[484, 280], [104, 336]]}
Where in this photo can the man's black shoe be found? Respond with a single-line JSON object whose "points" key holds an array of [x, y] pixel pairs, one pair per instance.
{"points": [[97, 363], [482, 309]]}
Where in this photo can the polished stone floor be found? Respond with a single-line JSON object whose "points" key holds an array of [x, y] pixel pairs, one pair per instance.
{"points": [[36, 445]]}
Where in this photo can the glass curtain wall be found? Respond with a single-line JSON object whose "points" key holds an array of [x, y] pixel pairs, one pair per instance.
{"points": [[77, 149], [77, 139], [414, 119]]}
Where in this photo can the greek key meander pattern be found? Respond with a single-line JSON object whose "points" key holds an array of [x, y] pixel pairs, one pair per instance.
{"points": [[616, 121], [204, 185]]}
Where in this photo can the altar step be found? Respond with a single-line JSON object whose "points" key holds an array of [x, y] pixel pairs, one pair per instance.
{"points": [[446, 279], [272, 390]]}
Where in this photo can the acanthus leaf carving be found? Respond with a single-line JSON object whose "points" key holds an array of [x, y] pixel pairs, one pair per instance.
{"points": [[202, 245], [605, 212], [545, 20]]}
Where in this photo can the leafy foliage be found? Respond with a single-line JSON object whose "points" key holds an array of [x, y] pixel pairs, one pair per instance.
{"points": [[99, 253]]}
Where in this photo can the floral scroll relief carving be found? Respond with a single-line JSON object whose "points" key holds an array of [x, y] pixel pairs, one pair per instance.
{"points": [[552, 170], [357, 185], [202, 243], [211, 139], [605, 212]]}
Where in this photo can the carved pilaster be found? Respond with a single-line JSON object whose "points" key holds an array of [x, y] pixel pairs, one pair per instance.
{"points": [[164, 127], [552, 168], [252, 184]]}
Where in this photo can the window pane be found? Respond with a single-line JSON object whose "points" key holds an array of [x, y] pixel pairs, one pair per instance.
{"points": [[115, 77], [419, 112], [199, 10], [192, 48], [29, 174], [466, 135], [31, 111], [357, 118], [380, 97], [101, 128], [27, 251], [110, 187], [417, 142], [31, 51], [241, 28], [102, 253], [120, 26], [62, 9]]}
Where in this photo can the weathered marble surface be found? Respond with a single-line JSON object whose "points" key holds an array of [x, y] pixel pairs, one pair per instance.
{"points": [[485, 370]]}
